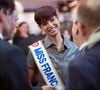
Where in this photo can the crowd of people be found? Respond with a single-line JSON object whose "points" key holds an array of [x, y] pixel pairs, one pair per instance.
{"points": [[75, 58]]}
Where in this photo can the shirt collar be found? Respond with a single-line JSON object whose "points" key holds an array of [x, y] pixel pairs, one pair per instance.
{"points": [[67, 43], [48, 43], [82, 46]]}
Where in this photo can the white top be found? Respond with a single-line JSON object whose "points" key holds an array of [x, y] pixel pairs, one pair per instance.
{"points": [[1, 36], [82, 46]]}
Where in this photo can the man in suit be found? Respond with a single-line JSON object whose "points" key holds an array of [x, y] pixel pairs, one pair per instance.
{"points": [[84, 70], [13, 68]]}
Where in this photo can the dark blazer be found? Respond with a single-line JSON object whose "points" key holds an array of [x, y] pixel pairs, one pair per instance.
{"points": [[23, 43], [84, 70], [13, 68]]}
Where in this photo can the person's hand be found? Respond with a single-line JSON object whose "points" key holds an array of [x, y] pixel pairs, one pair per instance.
{"points": [[46, 87]]}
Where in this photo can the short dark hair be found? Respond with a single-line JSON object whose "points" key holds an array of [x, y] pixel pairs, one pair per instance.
{"points": [[7, 5], [44, 13]]}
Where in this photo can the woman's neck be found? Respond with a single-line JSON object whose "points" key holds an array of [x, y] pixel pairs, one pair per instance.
{"points": [[58, 41], [24, 35]]}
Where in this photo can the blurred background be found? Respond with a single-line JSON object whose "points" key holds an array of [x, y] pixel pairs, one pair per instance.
{"points": [[26, 10]]}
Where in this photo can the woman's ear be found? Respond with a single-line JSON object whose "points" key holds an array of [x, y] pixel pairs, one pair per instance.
{"points": [[41, 29], [43, 32]]}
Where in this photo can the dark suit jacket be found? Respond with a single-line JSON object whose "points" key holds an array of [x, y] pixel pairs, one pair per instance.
{"points": [[23, 43], [84, 70], [13, 68]]}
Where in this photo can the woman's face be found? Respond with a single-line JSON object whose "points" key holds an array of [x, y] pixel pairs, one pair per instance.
{"points": [[51, 27], [24, 28]]}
